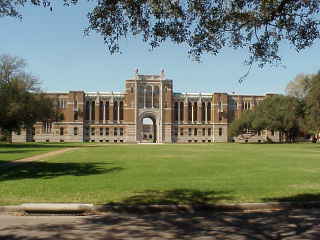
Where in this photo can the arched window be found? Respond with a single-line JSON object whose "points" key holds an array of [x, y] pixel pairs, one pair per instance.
{"points": [[87, 110], [175, 110], [107, 111], [209, 111], [156, 97], [93, 112], [203, 111], [181, 111], [101, 111], [115, 111], [121, 110], [189, 111], [195, 111], [148, 97]]}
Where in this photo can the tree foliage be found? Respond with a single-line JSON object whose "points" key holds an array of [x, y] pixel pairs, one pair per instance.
{"points": [[312, 100], [280, 113], [22, 103], [300, 86], [205, 26]]}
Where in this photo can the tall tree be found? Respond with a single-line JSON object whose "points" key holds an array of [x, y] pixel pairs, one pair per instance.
{"points": [[22, 103], [300, 86], [205, 26], [313, 107], [277, 113]]}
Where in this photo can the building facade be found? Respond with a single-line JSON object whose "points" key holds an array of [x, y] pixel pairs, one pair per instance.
{"points": [[118, 117]]}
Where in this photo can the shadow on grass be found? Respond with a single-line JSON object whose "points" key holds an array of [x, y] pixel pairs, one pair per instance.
{"points": [[47, 170], [304, 197], [176, 196]]}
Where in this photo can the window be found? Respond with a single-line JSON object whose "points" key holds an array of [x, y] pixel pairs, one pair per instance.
{"points": [[115, 111], [209, 111], [75, 115], [75, 131], [189, 131], [18, 132], [189, 111], [121, 131], [47, 126], [195, 141], [181, 111], [203, 131], [209, 131], [259, 133], [220, 116], [181, 131], [195, 131], [131, 89], [61, 131], [189, 141], [195, 111], [61, 103], [115, 132], [176, 113], [115, 141], [93, 111], [272, 133], [93, 131], [101, 131], [121, 111], [220, 131], [87, 131], [33, 131], [107, 131]]}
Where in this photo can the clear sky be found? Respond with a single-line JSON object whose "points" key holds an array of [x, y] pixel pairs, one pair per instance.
{"points": [[57, 52]]}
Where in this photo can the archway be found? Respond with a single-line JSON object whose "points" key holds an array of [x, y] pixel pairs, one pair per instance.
{"points": [[148, 129]]}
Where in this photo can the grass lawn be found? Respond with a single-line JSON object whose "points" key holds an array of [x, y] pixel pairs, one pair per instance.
{"points": [[141, 174], [11, 152]]}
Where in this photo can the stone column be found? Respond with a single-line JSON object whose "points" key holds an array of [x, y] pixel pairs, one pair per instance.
{"points": [[192, 112], [90, 111], [185, 112], [199, 111], [179, 112], [111, 110], [119, 111], [104, 111], [152, 97], [144, 98], [206, 112]]}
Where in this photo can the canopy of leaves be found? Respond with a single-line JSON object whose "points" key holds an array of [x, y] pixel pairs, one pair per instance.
{"points": [[312, 100], [300, 86], [278, 113], [22, 104], [205, 26]]}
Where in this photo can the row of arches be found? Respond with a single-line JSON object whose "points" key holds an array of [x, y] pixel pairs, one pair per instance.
{"points": [[106, 111], [148, 96], [192, 108]]}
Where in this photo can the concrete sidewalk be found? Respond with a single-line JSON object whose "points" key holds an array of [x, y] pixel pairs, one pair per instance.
{"points": [[263, 225]]}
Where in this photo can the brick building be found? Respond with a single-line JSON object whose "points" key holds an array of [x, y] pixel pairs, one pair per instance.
{"points": [[119, 116]]}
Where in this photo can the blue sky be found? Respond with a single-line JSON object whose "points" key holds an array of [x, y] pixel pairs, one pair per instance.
{"points": [[57, 52]]}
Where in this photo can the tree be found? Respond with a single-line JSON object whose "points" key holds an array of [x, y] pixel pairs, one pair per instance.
{"points": [[22, 103], [312, 99], [300, 86], [277, 113], [205, 26]]}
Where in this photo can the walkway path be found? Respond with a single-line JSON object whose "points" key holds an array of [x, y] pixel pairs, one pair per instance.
{"points": [[39, 156]]}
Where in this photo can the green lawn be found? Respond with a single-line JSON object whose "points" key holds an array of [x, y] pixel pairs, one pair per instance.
{"points": [[198, 173], [11, 152]]}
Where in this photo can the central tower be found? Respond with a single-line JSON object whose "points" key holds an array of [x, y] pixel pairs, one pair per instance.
{"points": [[149, 96]]}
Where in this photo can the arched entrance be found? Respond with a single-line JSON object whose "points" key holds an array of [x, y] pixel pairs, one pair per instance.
{"points": [[147, 129]]}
